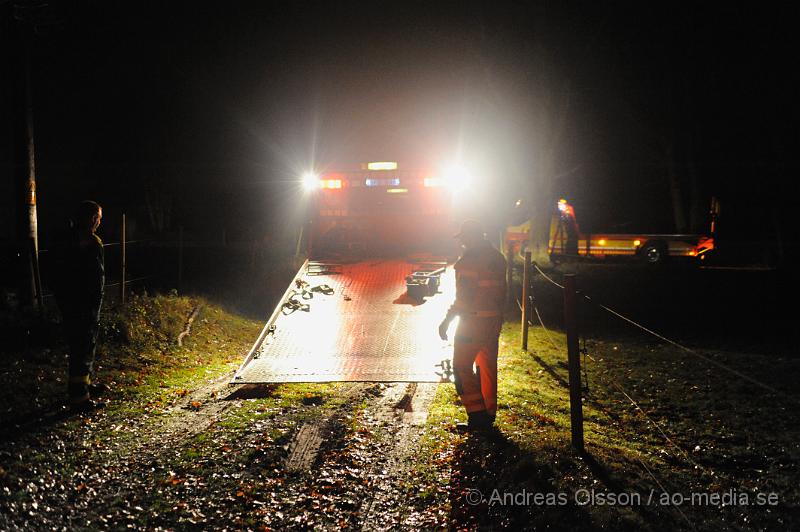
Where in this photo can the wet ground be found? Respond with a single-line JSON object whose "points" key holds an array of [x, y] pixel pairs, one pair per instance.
{"points": [[223, 457]]}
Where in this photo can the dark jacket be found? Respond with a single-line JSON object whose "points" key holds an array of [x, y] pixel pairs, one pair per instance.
{"points": [[79, 274]]}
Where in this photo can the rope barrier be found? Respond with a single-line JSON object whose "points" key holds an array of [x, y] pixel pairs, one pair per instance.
{"points": [[638, 407], [131, 280], [546, 331], [126, 243], [520, 308], [107, 285], [676, 344], [550, 338], [546, 276], [663, 490], [661, 430], [695, 353]]}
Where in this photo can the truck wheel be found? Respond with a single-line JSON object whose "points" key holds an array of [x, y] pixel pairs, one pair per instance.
{"points": [[654, 254]]}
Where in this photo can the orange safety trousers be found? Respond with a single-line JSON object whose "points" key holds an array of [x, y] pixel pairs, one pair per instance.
{"points": [[476, 345]]}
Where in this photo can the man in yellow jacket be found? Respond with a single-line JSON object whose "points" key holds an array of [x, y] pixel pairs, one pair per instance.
{"points": [[480, 298]]}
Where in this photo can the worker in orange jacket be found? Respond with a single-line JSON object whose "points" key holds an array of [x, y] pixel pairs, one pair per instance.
{"points": [[480, 298]]}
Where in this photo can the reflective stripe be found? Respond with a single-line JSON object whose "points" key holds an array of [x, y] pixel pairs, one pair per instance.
{"points": [[490, 283]]}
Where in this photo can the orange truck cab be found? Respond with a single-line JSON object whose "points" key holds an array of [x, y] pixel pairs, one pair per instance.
{"points": [[379, 211]]}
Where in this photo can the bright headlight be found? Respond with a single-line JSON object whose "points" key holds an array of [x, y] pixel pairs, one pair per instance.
{"points": [[310, 181], [457, 177]]}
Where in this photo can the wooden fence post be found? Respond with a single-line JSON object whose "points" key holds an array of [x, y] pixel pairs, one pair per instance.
{"points": [[574, 362], [123, 261], [510, 274], [526, 283], [180, 257]]}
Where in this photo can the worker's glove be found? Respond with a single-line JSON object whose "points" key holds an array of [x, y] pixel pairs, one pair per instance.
{"points": [[443, 328]]}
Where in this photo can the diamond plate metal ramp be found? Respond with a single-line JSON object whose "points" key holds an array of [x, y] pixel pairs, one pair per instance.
{"points": [[367, 330]]}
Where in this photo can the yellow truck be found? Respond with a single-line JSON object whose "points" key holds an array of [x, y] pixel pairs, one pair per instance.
{"points": [[567, 242]]}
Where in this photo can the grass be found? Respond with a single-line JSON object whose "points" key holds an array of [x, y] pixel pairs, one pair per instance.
{"points": [[138, 356], [704, 433], [155, 383]]}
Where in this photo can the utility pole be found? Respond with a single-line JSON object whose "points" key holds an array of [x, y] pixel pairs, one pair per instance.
{"points": [[28, 231]]}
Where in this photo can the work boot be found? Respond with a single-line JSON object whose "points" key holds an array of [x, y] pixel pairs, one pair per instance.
{"points": [[97, 389], [83, 407], [476, 422]]}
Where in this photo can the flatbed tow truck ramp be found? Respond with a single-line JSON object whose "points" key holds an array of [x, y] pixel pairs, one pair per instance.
{"points": [[366, 329]]}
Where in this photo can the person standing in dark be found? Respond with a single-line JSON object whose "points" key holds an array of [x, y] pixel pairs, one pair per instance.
{"points": [[80, 278]]}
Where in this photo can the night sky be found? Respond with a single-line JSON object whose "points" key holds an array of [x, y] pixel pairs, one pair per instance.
{"points": [[219, 106]]}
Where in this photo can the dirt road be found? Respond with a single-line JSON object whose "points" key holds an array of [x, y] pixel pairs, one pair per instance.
{"points": [[253, 456]]}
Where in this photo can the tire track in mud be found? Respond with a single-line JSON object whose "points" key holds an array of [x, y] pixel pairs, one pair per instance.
{"points": [[159, 439], [398, 419], [193, 413], [305, 445], [352, 468]]}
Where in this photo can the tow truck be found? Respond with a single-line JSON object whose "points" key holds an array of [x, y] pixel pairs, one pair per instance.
{"points": [[365, 304], [567, 242]]}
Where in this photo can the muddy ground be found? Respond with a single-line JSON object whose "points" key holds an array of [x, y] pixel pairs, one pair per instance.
{"points": [[177, 448], [222, 457]]}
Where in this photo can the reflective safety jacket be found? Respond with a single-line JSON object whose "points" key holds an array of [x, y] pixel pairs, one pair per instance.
{"points": [[480, 283]]}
